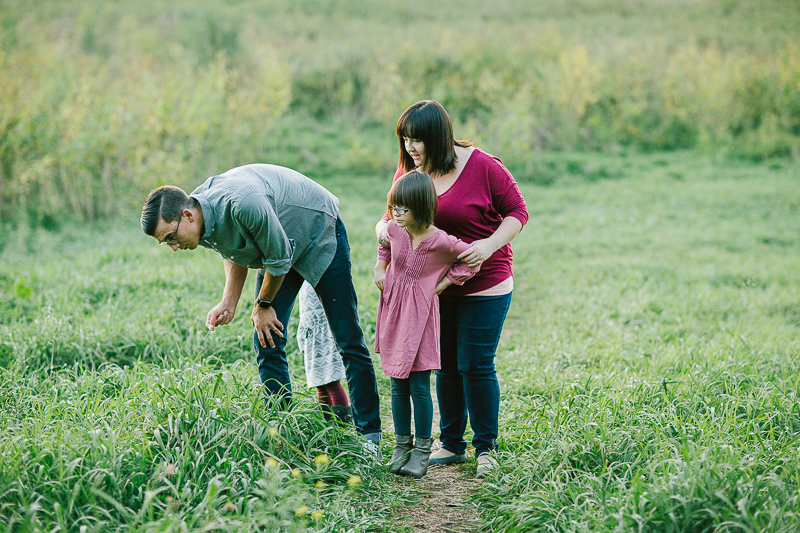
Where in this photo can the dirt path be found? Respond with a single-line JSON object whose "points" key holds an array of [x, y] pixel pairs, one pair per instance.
{"points": [[442, 504]]}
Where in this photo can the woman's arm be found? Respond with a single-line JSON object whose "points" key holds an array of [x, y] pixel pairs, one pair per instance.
{"points": [[382, 234], [380, 227], [507, 200], [483, 249]]}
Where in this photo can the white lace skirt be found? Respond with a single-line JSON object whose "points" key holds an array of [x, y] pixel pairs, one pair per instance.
{"points": [[323, 361]]}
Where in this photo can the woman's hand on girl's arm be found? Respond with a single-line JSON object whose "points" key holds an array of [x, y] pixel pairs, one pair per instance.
{"points": [[480, 251], [382, 234], [380, 273]]}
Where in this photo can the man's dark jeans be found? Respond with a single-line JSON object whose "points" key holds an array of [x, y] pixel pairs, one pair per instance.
{"points": [[338, 296]]}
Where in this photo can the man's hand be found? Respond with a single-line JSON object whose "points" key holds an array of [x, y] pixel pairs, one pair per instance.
{"points": [[267, 324], [220, 315]]}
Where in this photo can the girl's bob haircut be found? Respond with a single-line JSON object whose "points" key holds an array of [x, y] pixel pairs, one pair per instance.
{"points": [[428, 122], [415, 191]]}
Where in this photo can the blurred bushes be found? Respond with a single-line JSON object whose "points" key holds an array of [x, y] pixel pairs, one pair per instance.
{"points": [[80, 134], [99, 107]]}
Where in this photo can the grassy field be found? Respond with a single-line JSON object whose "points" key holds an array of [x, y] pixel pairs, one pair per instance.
{"points": [[649, 364], [102, 100], [649, 370]]}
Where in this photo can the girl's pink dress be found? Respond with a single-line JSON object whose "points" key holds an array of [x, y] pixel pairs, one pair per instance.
{"points": [[407, 327]]}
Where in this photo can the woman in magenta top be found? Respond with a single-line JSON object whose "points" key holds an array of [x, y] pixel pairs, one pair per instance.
{"points": [[480, 203]]}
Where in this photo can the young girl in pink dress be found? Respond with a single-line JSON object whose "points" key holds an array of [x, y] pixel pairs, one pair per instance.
{"points": [[421, 263]]}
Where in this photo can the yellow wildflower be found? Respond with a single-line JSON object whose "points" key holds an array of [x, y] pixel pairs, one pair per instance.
{"points": [[321, 460], [316, 515], [300, 511], [296, 472], [273, 432], [354, 481], [320, 484], [272, 463]]}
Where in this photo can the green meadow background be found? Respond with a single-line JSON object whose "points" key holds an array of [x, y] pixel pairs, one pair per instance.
{"points": [[650, 364]]}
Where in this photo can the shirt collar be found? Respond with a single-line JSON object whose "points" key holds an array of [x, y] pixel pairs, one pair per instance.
{"points": [[209, 217]]}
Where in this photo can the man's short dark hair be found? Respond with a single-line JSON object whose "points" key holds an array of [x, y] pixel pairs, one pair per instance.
{"points": [[416, 191], [165, 203]]}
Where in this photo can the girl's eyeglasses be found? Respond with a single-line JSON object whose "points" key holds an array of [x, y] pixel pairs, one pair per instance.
{"points": [[399, 210]]}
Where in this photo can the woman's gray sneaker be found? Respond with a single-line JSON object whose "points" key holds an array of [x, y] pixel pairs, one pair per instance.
{"points": [[486, 463], [448, 460]]}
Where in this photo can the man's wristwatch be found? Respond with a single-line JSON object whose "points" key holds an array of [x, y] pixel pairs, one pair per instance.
{"points": [[263, 304]]}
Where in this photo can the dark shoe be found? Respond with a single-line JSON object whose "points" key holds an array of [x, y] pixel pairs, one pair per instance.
{"points": [[402, 452], [343, 414], [449, 459], [417, 465], [327, 413]]}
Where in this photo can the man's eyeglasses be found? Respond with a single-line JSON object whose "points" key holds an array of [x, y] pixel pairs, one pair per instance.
{"points": [[399, 210], [172, 238]]}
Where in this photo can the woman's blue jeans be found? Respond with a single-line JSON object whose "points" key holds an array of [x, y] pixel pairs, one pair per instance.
{"points": [[338, 296], [466, 385]]}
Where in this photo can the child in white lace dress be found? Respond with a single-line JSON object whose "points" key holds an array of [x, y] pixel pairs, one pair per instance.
{"points": [[324, 367]]}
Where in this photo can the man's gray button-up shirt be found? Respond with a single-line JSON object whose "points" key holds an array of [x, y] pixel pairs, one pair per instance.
{"points": [[270, 217]]}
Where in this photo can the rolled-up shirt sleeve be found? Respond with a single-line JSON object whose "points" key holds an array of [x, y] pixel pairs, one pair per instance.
{"points": [[506, 196], [256, 217], [460, 272]]}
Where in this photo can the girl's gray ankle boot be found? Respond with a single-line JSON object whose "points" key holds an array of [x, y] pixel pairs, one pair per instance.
{"points": [[401, 453], [417, 465]]}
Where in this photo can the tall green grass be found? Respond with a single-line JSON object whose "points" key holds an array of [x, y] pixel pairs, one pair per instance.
{"points": [[649, 367], [101, 101], [651, 359], [189, 447], [119, 411]]}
